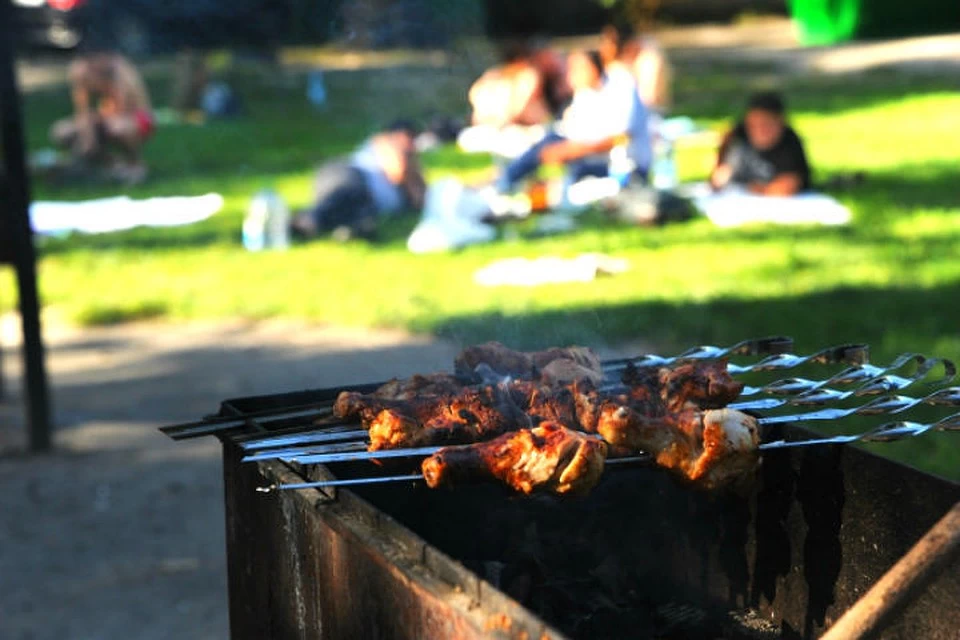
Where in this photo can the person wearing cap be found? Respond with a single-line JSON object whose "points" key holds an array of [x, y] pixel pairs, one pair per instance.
{"points": [[381, 178], [763, 154]]}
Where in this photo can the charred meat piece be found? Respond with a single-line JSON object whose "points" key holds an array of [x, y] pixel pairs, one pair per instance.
{"points": [[469, 416], [695, 385], [547, 458], [709, 449], [542, 402], [506, 362], [350, 404], [434, 384], [705, 385]]}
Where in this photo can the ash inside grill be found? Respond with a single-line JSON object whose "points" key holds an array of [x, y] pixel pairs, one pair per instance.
{"points": [[594, 567]]}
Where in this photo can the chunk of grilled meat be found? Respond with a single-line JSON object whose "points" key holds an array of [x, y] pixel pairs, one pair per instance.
{"points": [[694, 385], [547, 458], [471, 415], [709, 448], [506, 362], [418, 385]]}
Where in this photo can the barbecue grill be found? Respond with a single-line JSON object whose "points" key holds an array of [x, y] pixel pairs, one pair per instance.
{"points": [[641, 556]]}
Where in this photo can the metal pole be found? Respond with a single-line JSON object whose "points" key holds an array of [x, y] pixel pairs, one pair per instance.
{"points": [[21, 238]]}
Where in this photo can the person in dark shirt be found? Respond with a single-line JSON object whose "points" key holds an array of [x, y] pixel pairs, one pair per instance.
{"points": [[763, 154]]}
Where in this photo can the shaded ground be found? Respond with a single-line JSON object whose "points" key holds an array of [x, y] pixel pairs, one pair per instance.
{"points": [[119, 534]]}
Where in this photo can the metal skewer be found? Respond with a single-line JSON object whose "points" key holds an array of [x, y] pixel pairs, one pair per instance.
{"points": [[411, 477], [949, 396], [888, 432], [331, 434], [220, 424], [770, 344], [875, 379], [319, 453]]}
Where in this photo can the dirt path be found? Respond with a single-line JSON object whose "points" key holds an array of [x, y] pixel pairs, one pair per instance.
{"points": [[119, 533]]}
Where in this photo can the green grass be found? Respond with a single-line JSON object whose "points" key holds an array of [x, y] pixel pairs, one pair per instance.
{"points": [[891, 279]]}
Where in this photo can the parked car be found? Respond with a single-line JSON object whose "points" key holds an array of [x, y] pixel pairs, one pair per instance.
{"points": [[138, 27]]}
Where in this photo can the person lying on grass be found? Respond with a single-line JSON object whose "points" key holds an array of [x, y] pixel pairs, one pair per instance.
{"points": [[763, 154], [383, 177], [112, 118]]}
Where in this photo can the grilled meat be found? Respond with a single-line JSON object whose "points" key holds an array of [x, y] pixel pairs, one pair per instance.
{"points": [[695, 385], [503, 361], [471, 415], [418, 385], [547, 458], [707, 448]]}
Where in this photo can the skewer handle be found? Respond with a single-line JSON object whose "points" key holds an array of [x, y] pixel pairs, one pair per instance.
{"points": [[346, 482]]}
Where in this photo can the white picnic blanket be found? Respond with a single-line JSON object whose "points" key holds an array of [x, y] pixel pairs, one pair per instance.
{"points": [[736, 207], [524, 272], [120, 213]]}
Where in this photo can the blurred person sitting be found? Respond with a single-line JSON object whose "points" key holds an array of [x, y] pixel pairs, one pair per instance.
{"points": [[514, 102], [604, 115], [644, 60], [511, 93], [112, 113], [763, 154], [383, 177], [552, 67]]}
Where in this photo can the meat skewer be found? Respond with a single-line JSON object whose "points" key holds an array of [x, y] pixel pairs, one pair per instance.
{"points": [[709, 449], [475, 414], [547, 458]]}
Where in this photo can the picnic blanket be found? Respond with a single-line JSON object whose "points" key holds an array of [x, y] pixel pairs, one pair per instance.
{"points": [[523, 272], [120, 213], [736, 207]]}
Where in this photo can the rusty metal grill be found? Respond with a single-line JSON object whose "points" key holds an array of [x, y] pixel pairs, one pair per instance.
{"points": [[639, 557]]}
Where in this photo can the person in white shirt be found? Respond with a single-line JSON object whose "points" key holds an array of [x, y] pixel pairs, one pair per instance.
{"points": [[605, 115], [645, 61]]}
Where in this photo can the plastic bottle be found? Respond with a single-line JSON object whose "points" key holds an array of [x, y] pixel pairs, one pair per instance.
{"points": [[255, 225], [664, 165], [278, 223], [267, 224]]}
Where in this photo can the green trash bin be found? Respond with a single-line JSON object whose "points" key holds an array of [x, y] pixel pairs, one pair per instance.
{"points": [[826, 21], [832, 21]]}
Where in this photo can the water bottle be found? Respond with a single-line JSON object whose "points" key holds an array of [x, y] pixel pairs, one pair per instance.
{"points": [[255, 225], [664, 166], [278, 223], [267, 224]]}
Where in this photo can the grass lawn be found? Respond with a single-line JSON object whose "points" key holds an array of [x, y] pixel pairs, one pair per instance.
{"points": [[891, 279]]}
